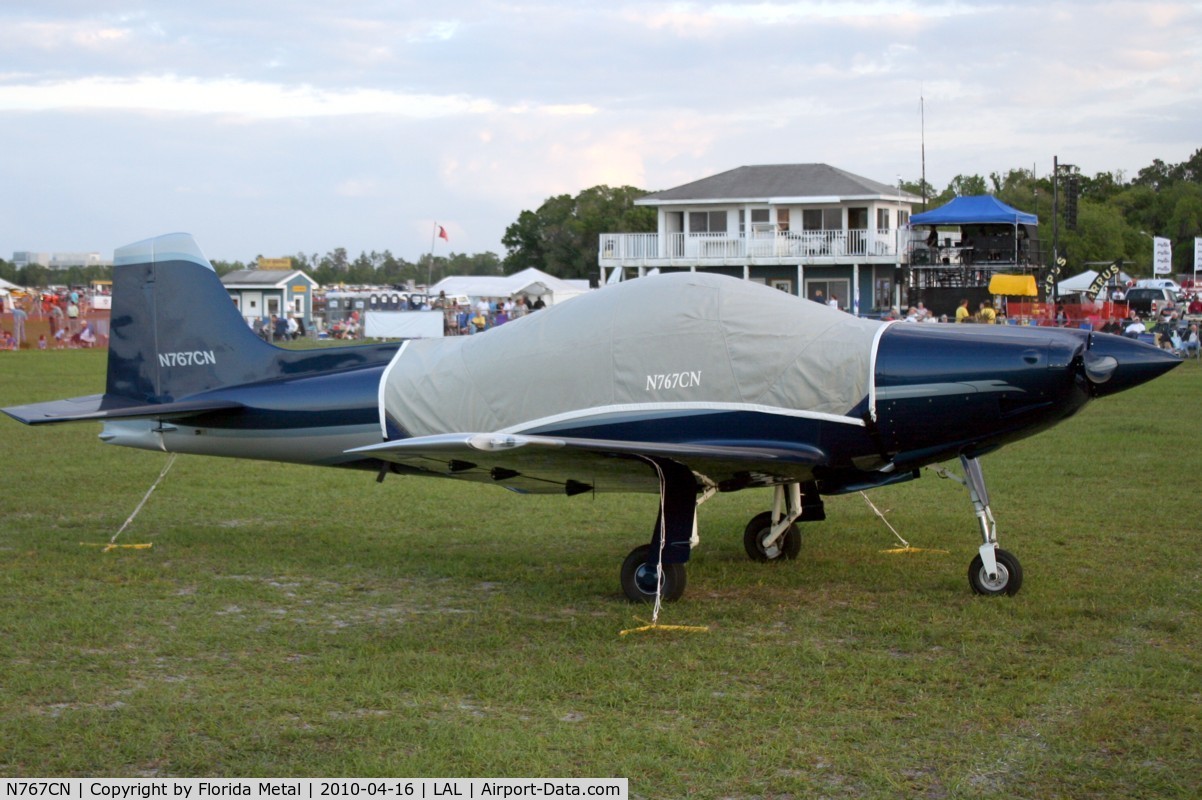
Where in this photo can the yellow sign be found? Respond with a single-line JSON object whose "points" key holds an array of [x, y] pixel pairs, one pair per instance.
{"points": [[275, 263]]}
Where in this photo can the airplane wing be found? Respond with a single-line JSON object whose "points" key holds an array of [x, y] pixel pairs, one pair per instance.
{"points": [[103, 407], [558, 465]]}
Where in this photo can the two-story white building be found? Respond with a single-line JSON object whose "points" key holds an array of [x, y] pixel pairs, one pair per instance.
{"points": [[808, 229]]}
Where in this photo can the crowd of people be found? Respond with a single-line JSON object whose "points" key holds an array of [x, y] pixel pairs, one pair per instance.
{"points": [[278, 327], [985, 314], [65, 312], [1169, 330], [69, 327], [488, 313]]}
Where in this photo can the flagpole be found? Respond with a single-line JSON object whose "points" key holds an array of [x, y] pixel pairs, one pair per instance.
{"points": [[430, 266]]}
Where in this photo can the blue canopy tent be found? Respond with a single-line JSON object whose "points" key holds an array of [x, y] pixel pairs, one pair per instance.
{"points": [[982, 209], [992, 234]]}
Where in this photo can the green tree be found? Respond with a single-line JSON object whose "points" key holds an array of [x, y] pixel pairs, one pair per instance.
{"points": [[1154, 176], [562, 236], [223, 268], [362, 271], [1183, 222], [1101, 235], [336, 260], [919, 187], [967, 185], [35, 275], [1102, 187]]}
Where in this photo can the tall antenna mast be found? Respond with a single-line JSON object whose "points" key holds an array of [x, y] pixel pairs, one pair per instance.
{"points": [[922, 112]]}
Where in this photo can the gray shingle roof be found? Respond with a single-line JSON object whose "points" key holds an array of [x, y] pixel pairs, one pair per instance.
{"points": [[774, 180], [259, 277]]}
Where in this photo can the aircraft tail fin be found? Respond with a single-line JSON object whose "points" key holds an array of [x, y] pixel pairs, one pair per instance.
{"points": [[174, 330], [175, 337]]}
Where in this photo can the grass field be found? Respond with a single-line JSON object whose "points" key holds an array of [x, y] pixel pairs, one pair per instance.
{"points": [[294, 621]]}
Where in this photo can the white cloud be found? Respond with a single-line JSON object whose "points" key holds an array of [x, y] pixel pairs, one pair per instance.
{"points": [[259, 100], [251, 99], [276, 124]]}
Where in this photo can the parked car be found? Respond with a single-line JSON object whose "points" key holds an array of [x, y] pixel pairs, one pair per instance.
{"points": [[1159, 283], [1147, 301]]}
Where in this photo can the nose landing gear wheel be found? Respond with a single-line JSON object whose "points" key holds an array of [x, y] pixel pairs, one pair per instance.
{"points": [[787, 546], [1009, 578], [638, 579]]}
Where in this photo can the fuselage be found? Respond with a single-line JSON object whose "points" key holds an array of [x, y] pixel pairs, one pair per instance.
{"points": [[313, 419], [721, 369], [936, 391]]}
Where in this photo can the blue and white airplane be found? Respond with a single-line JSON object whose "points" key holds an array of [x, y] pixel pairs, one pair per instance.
{"points": [[682, 384]]}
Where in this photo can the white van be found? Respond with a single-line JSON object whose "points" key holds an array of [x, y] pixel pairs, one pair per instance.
{"points": [[1159, 283]]}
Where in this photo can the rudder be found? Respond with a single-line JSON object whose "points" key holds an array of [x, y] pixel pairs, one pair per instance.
{"points": [[174, 330]]}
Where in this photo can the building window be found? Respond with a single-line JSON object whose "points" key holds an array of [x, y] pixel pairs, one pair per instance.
{"points": [[782, 220], [882, 219], [707, 222], [822, 219], [759, 220]]}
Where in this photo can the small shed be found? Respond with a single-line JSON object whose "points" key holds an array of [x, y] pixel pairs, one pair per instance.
{"points": [[259, 293]]}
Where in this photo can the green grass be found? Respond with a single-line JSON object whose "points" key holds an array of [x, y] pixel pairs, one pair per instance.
{"points": [[297, 621]]}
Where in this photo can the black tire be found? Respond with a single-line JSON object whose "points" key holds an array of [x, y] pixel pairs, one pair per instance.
{"points": [[638, 579], [787, 546], [1009, 575]]}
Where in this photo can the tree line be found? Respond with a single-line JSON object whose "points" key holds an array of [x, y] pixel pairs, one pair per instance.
{"points": [[1115, 218]]}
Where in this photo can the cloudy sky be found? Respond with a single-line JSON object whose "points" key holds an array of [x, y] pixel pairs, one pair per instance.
{"points": [[273, 127]]}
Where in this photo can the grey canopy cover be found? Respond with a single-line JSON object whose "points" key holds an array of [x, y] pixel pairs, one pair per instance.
{"points": [[683, 340]]}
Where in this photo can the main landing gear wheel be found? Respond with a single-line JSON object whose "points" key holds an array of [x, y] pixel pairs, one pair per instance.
{"points": [[638, 579], [1009, 577], [787, 546]]}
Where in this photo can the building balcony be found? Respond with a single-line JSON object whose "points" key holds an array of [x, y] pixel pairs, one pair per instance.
{"points": [[813, 247]]}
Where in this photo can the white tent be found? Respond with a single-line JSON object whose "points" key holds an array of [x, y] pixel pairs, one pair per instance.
{"points": [[6, 288], [531, 282], [1082, 282]]}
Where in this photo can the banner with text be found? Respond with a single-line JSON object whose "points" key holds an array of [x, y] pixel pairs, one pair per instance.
{"points": [[1162, 256]]}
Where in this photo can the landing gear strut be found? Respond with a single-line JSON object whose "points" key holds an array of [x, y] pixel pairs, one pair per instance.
{"points": [[657, 570], [774, 534], [993, 571]]}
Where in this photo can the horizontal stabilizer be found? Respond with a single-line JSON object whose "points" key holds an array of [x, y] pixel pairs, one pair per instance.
{"points": [[104, 407]]}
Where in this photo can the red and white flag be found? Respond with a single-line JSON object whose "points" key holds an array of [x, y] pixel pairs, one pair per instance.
{"points": [[442, 233]]}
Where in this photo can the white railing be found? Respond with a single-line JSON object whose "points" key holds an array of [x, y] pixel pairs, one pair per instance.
{"points": [[634, 249]]}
